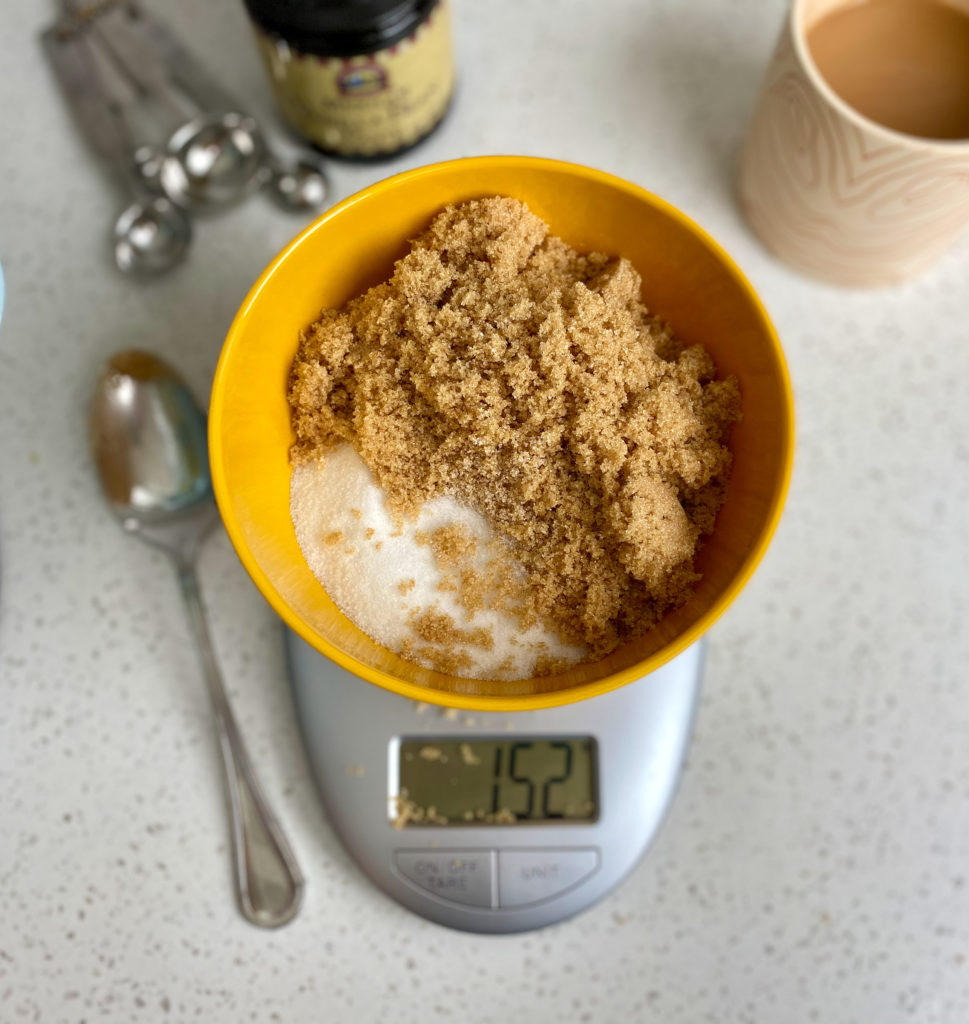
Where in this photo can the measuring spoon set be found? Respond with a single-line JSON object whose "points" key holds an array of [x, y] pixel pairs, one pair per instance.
{"points": [[173, 139]]}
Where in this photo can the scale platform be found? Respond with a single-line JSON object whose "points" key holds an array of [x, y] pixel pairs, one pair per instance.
{"points": [[494, 822]]}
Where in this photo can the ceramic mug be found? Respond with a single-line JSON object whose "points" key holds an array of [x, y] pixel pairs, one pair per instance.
{"points": [[836, 194]]}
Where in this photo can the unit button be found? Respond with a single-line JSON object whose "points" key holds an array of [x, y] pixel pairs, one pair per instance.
{"points": [[530, 876], [461, 876]]}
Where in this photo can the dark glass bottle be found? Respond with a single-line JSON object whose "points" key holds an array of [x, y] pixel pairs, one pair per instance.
{"points": [[358, 78]]}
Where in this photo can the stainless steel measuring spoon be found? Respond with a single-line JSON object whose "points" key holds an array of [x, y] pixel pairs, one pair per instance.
{"points": [[152, 234]]}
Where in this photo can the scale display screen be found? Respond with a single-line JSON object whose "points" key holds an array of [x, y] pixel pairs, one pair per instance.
{"points": [[496, 781]]}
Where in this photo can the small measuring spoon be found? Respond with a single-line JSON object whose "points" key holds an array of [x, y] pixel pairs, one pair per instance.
{"points": [[151, 235], [301, 185], [149, 442], [219, 158], [214, 160]]}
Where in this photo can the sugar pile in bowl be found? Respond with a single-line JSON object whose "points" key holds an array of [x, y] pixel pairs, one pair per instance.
{"points": [[501, 367]]}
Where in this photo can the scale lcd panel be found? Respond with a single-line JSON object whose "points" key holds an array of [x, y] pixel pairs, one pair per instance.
{"points": [[496, 781]]}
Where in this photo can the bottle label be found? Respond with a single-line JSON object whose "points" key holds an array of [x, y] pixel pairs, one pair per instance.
{"points": [[371, 104]]}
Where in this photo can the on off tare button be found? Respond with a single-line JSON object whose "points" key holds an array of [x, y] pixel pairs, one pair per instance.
{"points": [[530, 876], [461, 876]]}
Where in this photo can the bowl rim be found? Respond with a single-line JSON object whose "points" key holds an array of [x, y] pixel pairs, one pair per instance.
{"points": [[511, 702]]}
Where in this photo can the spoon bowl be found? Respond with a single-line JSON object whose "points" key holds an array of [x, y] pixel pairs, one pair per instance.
{"points": [[148, 438], [214, 160], [150, 237], [302, 185]]}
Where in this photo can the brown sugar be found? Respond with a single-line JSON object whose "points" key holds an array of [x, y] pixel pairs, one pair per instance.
{"points": [[448, 659], [493, 586], [436, 627], [548, 666], [452, 545], [500, 367]]}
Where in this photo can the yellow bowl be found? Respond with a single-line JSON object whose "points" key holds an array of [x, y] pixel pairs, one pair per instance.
{"points": [[687, 279]]}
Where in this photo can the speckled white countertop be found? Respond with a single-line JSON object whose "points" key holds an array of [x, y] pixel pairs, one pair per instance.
{"points": [[815, 865]]}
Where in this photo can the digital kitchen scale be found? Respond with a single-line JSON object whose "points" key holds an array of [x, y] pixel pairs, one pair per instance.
{"points": [[494, 822]]}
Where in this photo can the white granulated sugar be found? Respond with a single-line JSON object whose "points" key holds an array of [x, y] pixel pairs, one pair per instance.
{"points": [[335, 502]]}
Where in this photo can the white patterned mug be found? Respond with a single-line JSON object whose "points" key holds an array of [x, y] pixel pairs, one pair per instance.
{"points": [[836, 194]]}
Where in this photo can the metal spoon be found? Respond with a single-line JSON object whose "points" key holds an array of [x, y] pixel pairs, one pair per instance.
{"points": [[214, 160], [152, 234], [149, 442], [301, 185], [218, 159]]}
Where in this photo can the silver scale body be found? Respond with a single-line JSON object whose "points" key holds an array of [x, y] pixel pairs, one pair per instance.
{"points": [[497, 879]]}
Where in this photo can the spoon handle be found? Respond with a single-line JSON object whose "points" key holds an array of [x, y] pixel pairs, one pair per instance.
{"points": [[268, 879], [98, 118]]}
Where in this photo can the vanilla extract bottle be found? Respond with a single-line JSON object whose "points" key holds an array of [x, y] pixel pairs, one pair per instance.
{"points": [[361, 79]]}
